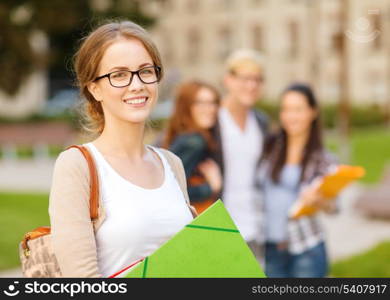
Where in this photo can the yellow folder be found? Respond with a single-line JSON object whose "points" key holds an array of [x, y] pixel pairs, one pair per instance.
{"points": [[330, 186]]}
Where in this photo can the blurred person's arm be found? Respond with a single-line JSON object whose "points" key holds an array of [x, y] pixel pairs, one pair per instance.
{"points": [[330, 162], [211, 171], [200, 192], [311, 194], [73, 237], [190, 149]]}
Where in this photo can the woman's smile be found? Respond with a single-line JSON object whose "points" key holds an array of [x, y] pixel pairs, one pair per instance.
{"points": [[136, 102]]}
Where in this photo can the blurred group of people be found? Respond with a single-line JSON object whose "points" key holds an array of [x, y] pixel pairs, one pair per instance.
{"points": [[227, 152], [230, 153]]}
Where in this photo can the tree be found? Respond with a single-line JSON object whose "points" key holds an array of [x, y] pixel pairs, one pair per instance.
{"points": [[63, 21]]}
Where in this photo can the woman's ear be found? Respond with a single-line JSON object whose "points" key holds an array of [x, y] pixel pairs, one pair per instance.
{"points": [[95, 91]]}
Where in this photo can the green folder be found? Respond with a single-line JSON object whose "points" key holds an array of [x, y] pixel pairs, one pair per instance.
{"points": [[210, 246]]}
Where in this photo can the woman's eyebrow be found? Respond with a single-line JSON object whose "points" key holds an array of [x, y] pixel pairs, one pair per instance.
{"points": [[126, 68], [118, 68], [145, 64]]}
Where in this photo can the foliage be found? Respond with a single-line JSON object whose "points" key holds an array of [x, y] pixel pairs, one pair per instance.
{"points": [[360, 115], [63, 21]]}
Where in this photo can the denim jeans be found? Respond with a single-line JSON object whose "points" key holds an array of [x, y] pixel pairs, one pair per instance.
{"points": [[258, 251], [280, 263]]}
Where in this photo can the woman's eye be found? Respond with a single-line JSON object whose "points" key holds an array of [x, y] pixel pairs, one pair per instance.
{"points": [[118, 75], [146, 72]]}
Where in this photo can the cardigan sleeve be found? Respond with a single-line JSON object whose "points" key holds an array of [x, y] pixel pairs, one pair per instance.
{"points": [[199, 192], [190, 148], [72, 232]]}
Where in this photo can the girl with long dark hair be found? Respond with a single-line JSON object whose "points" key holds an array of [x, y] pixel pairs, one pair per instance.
{"points": [[294, 157]]}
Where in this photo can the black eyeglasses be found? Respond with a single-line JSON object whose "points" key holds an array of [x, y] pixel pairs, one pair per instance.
{"points": [[122, 78]]}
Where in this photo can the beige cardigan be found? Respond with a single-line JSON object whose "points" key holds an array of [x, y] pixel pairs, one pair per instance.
{"points": [[72, 232]]}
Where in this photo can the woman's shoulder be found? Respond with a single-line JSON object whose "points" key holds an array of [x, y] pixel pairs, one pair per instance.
{"points": [[71, 156], [326, 156], [193, 140], [321, 162], [71, 159], [169, 155], [172, 159]]}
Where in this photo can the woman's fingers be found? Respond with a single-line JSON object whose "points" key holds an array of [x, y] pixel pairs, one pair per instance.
{"points": [[194, 212], [206, 165]]}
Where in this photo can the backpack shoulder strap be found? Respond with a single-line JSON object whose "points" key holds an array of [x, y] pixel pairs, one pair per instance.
{"points": [[94, 181]]}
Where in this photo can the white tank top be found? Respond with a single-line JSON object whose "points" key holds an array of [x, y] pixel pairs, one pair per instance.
{"points": [[138, 220]]}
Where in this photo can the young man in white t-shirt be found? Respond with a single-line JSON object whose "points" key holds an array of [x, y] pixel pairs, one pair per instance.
{"points": [[241, 132]]}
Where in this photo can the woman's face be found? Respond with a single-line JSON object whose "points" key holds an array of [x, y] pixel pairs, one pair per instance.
{"points": [[204, 108], [131, 103], [296, 115]]}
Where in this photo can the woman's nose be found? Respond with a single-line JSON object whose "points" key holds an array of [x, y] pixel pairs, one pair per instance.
{"points": [[136, 84]]}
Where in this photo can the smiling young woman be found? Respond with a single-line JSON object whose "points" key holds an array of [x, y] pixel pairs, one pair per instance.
{"points": [[141, 204]]}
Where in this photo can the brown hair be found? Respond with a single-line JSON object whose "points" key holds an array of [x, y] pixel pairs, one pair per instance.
{"points": [[87, 60], [276, 147], [181, 120]]}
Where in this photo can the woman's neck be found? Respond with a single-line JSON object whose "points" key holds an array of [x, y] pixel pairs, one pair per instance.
{"points": [[122, 139], [295, 147]]}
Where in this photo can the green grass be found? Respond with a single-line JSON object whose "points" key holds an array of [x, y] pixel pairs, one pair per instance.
{"points": [[373, 263], [369, 148], [19, 213]]}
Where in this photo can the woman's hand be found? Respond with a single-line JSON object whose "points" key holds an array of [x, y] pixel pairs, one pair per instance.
{"points": [[212, 173], [311, 196], [193, 211]]}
